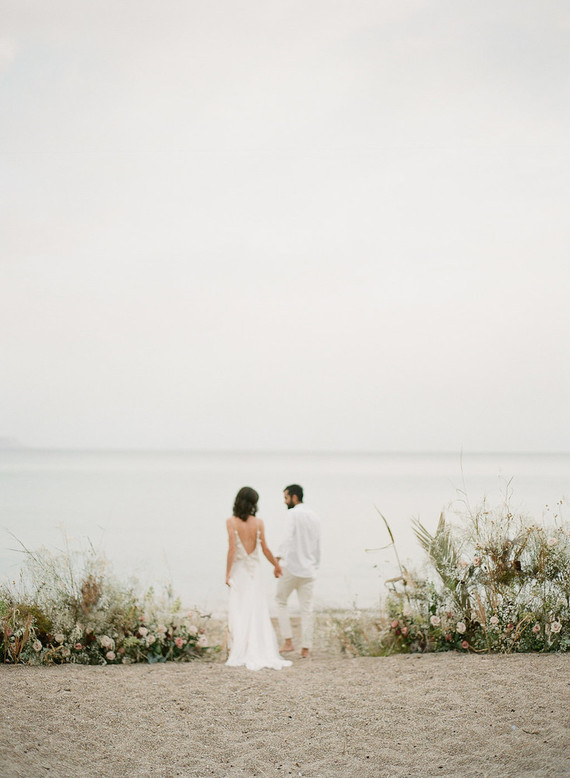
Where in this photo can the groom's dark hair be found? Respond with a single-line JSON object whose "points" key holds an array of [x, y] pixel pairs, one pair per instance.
{"points": [[296, 490]]}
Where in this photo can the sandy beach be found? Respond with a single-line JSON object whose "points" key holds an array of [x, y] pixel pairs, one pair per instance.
{"points": [[415, 715]]}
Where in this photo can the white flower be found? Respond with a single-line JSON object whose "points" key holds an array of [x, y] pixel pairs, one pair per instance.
{"points": [[107, 642], [551, 542], [202, 641], [460, 627], [65, 652], [143, 631], [435, 621], [192, 630], [36, 645], [494, 620], [463, 563], [161, 629], [59, 638], [150, 639], [556, 626], [110, 655]]}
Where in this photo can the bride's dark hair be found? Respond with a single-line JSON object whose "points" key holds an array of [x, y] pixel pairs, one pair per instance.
{"points": [[246, 503]]}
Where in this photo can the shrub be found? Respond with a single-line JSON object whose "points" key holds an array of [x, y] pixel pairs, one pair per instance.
{"points": [[498, 582], [68, 607]]}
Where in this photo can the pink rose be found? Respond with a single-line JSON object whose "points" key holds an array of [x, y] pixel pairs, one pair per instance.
{"points": [[465, 645], [110, 655], [78, 646], [395, 624], [404, 631], [510, 625], [536, 629], [178, 642]]}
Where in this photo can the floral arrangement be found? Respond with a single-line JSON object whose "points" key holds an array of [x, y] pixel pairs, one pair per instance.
{"points": [[501, 584], [69, 608]]}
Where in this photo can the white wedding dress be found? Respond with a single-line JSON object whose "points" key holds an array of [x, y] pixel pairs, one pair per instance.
{"points": [[252, 638]]}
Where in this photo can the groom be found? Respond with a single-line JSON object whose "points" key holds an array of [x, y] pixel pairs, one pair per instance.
{"points": [[299, 557]]}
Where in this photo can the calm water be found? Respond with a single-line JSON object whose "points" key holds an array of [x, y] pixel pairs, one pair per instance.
{"points": [[161, 516]]}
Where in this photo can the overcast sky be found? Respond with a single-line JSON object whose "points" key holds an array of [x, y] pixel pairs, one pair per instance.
{"points": [[285, 225]]}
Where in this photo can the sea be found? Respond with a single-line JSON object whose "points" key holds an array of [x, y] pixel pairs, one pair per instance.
{"points": [[159, 517]]}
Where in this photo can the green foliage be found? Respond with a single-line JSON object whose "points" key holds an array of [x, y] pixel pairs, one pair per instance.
{"points": [[68, 607], [358, 634], [502, 583]]}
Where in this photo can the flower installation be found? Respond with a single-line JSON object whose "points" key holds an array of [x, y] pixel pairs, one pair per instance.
{"points": [[69, 608], [513, 596]]}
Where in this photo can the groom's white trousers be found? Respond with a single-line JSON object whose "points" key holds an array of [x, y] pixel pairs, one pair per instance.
{"points": [[304, 586]]}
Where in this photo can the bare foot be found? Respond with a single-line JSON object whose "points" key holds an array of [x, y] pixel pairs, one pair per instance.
{"points": [[287, 646], [304, 653]]}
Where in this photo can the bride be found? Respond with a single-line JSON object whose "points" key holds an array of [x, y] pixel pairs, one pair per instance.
{"points": [[252, 638]]}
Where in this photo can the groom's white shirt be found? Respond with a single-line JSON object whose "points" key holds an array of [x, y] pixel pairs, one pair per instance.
{"points": [[300, 549]]}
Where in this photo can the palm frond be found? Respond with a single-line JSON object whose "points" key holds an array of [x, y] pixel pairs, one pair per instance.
{"points": [[444, 556]]}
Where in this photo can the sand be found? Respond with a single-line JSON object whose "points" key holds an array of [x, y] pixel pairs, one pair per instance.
{"points": [[420, 715]]}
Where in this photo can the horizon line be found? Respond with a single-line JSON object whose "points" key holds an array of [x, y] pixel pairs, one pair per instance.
{"points": [[287, 451]]}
